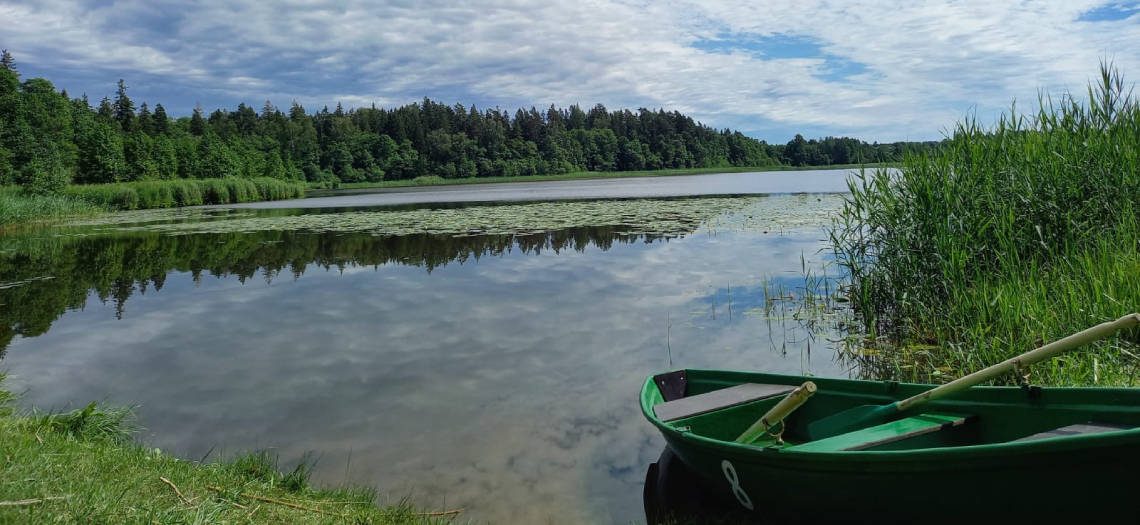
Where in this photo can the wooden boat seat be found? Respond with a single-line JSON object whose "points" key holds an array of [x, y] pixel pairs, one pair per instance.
{"points": [[1073, 430], [882, 434], [716, 400]]}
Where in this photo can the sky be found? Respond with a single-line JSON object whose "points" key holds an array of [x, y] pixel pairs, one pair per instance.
{"points": [[771, 69]]}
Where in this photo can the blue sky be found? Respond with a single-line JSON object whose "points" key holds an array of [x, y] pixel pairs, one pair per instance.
{"points": [[770, 69]]}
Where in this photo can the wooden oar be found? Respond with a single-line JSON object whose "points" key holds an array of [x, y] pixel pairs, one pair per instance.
{"points": [[868, 415], [777, 413]]}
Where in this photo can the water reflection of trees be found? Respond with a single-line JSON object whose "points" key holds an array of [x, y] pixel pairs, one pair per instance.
{"points": [[42, 278]]}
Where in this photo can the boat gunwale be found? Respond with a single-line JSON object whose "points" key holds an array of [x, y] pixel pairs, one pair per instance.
{"points": [[753, 452]]}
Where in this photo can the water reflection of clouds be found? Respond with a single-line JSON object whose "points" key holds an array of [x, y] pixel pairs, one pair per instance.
{"points": [[515, 375]]}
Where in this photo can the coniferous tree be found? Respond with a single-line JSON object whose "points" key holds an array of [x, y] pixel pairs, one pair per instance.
{"points": [[7, 62], [144, 120], [197, 123], [106, 111], [47, 140], [124, 108], [159, 121]]}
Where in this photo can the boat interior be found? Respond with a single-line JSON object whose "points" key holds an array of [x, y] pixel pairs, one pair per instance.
{"points": [[721, 408]]}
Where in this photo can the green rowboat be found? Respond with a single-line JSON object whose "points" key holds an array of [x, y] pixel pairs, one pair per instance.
{"points": [[1032, 453]]}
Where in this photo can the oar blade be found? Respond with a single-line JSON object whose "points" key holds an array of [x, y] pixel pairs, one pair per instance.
{"points": [[851, 420]]}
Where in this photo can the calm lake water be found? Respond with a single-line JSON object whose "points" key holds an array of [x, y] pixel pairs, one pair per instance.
{"points": [[482, 369], [767, 182]]}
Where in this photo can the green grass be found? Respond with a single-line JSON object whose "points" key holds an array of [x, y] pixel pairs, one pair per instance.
{"points": [[439, 181], [1004, 239], [184, 192], [17, 207], [83, 467]]}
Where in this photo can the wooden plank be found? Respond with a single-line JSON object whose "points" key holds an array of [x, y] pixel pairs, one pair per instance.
{"points": [[717, 399], [1073, 430], [882, 434]]}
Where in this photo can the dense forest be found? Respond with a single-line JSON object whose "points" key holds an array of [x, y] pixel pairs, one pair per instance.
{"points": [[48, 140]]}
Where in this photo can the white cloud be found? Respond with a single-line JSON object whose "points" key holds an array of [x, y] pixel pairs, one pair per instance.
{"points": [[924, 64]]}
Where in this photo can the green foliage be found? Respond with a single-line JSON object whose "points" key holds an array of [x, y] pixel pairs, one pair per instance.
{"points": [[137, 151], [264, 466], [43, 175], [185, 192], [81, 464], [18, 207], [92, 422], [124, 108], [101, 158], [189, 193], [1003, 238], [215, 159], [116, 143]]}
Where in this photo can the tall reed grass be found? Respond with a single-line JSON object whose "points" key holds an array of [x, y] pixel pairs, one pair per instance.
{"points": [[185, 192], [18, 207], [1005, 238]]}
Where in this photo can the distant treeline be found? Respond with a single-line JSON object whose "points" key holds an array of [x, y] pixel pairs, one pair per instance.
{"points": [[48, 140]]}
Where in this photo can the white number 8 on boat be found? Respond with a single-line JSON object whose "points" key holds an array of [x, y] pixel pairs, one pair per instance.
{"points": [[734, 480]]}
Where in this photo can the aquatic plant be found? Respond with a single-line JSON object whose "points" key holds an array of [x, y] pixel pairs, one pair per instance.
{"points": [[184, 192], [632, 216], [1005, 238], [18, 207]]}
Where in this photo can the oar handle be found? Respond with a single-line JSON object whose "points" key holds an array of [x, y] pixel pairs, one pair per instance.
{"points": [[777, 413], [1059, 346]]}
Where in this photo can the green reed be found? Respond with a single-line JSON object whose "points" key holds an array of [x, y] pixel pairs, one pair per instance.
{"points": [[185, 192], [1006, 238], [18, 207]]}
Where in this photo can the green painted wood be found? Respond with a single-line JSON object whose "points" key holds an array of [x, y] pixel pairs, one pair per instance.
{"points": [[980, 463], [882, 434]]}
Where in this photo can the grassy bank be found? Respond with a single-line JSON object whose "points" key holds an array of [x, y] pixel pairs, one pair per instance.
{"points": [[83, 467], [185, 192], [1006, 238], [583, 175], [19, 208]]}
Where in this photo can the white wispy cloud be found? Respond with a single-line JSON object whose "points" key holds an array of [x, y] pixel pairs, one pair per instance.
{"points": [[916, 67]]}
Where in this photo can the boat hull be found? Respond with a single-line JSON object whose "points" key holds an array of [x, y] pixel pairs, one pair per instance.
{"points": [[1045, 481]]}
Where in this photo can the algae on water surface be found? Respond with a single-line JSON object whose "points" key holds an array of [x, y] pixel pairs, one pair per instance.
{"points": [[638, 217]]}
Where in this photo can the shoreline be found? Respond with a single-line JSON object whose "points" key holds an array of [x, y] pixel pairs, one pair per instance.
{"points": [[87, 465], [582, 175]]}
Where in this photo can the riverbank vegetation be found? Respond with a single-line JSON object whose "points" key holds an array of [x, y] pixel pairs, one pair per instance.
{"points": [[83, 466], [187, 192], [18, 207], [1002, 240], [49, 140]]}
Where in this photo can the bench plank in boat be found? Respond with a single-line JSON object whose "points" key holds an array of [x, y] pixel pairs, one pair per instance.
{"points": [[1073, 430], [882, 434], [716, 400]]}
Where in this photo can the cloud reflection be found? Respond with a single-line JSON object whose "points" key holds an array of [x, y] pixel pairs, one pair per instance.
{"points": [[514, 375]]}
